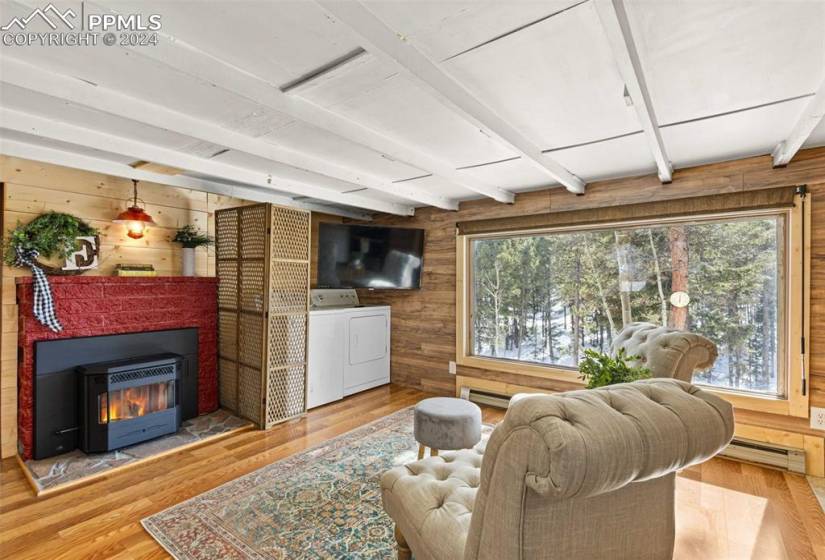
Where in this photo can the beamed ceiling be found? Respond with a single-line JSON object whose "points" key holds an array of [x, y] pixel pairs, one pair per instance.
{"points": [[360, 107]]}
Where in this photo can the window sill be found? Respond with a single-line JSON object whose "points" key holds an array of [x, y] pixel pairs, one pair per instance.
{"points": [[522, 368], [755, 403]]}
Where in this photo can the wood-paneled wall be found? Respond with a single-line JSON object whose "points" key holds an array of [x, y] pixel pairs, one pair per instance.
{"points": [[31, 188], [423, 340]]}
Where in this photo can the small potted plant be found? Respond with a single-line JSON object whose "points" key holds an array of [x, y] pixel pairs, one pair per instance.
{"points": [[601, 369], [190, 238]]}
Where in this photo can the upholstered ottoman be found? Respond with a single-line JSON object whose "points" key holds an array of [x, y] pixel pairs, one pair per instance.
{"points": [[431, 502], [445, 423]]}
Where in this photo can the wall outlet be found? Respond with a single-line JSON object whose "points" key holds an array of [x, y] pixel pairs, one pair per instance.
{"points": [[817, 418], [452, 370]]}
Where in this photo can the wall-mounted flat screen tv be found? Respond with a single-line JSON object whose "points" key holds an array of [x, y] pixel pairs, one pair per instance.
{"points": [[351, 256]]}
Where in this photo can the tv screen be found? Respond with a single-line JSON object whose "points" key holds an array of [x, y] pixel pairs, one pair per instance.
{"points": [[351, 256]]}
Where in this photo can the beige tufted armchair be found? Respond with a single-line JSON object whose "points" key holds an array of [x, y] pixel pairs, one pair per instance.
{"points": [[666, 352], [578, 475]]}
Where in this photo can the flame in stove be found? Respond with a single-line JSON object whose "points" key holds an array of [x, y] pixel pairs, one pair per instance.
{"points": [[133, 402], [103, 408], [132, 405]]}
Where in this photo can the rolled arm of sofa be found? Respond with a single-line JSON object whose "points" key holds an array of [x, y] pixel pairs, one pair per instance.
{"points": [[591, 442], [667, 352]]}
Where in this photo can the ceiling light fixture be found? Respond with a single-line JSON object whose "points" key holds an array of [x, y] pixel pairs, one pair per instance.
{"points": [[135, 218]]}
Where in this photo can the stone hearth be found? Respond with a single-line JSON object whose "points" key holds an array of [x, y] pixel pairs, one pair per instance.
{"points": [[69, 469]]}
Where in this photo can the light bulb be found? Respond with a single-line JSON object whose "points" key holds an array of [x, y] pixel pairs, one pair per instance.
{"points": [[135, 229]]}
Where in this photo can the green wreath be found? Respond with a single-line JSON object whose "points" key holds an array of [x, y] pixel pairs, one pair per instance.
{"points": [[52, 233]]}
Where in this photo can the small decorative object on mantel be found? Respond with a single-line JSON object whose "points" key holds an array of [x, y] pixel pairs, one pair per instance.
{"points": [[85, 258], [191, 239], [135, 270], [50, 234], [601, 369]]}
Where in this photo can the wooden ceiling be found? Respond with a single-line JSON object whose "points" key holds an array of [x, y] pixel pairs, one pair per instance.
{"points": [[354, 107]]}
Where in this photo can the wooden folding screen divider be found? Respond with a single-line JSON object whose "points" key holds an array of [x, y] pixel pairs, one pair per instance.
{"points": [[262, 263]]}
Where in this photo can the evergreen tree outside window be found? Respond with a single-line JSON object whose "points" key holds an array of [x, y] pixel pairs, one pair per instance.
{"points": [[545, 298]]}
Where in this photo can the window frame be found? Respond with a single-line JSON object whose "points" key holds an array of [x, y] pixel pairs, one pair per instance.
{"points": [[794, 311]]}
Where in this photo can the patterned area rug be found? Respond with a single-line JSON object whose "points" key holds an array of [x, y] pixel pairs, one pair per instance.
{"points": [[321, 503]]}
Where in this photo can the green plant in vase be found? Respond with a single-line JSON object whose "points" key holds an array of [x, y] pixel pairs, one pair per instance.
{"points": [[599, 369], [190, 238]]}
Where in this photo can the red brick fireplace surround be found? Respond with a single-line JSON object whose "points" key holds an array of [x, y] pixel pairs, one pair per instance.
{"points": [[100, 305]]}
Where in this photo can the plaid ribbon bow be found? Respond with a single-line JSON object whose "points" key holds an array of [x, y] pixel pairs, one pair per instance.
{"points": [[43, 303]]}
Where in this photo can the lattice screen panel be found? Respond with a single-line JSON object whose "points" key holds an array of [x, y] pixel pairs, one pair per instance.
{"points": [[252, 285], [250, 393], [226, 234], [286, 393], [250, 340], [227, 271], [241, 263], [289, 240], [253, 232], [228, 334], [226, 266], [228, 384], [288, 312], [263, 266], [287, 340], [288, 288]]}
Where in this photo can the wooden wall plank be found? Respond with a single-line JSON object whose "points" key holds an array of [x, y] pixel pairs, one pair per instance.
{"points": [[65, 179], [35, 200]]}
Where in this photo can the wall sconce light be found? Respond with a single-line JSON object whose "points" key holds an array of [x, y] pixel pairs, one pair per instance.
{"points": [[134, 218]]}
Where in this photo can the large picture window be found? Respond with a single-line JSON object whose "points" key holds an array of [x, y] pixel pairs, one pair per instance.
{"points": [[543, 298]]}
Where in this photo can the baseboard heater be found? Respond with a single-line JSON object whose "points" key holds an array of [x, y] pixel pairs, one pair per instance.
{"points": [[485, 397], [768, 454]]}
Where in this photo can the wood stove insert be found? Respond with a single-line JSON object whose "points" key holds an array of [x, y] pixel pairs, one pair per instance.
{"points": [[60, 393], [125, 402]]}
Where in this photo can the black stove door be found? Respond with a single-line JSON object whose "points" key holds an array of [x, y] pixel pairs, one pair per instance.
{"points": [[94, 434], [56, 426]]}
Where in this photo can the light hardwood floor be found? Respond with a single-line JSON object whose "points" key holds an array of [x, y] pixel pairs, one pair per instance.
{"points": [[725, 510]]}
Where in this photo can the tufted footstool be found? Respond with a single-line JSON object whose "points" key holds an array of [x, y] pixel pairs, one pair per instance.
{"points": [[446, 423], [433, 498]]}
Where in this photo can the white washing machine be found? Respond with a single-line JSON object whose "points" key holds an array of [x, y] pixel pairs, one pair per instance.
{"points": [[348, 346]]}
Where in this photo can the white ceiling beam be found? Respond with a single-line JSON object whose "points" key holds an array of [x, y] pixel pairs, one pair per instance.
{"points": [[195, 61], [616, 26], [378, 38], [328, 72], [315, 169], [25, 150], [47, 128], [808, 121]]}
